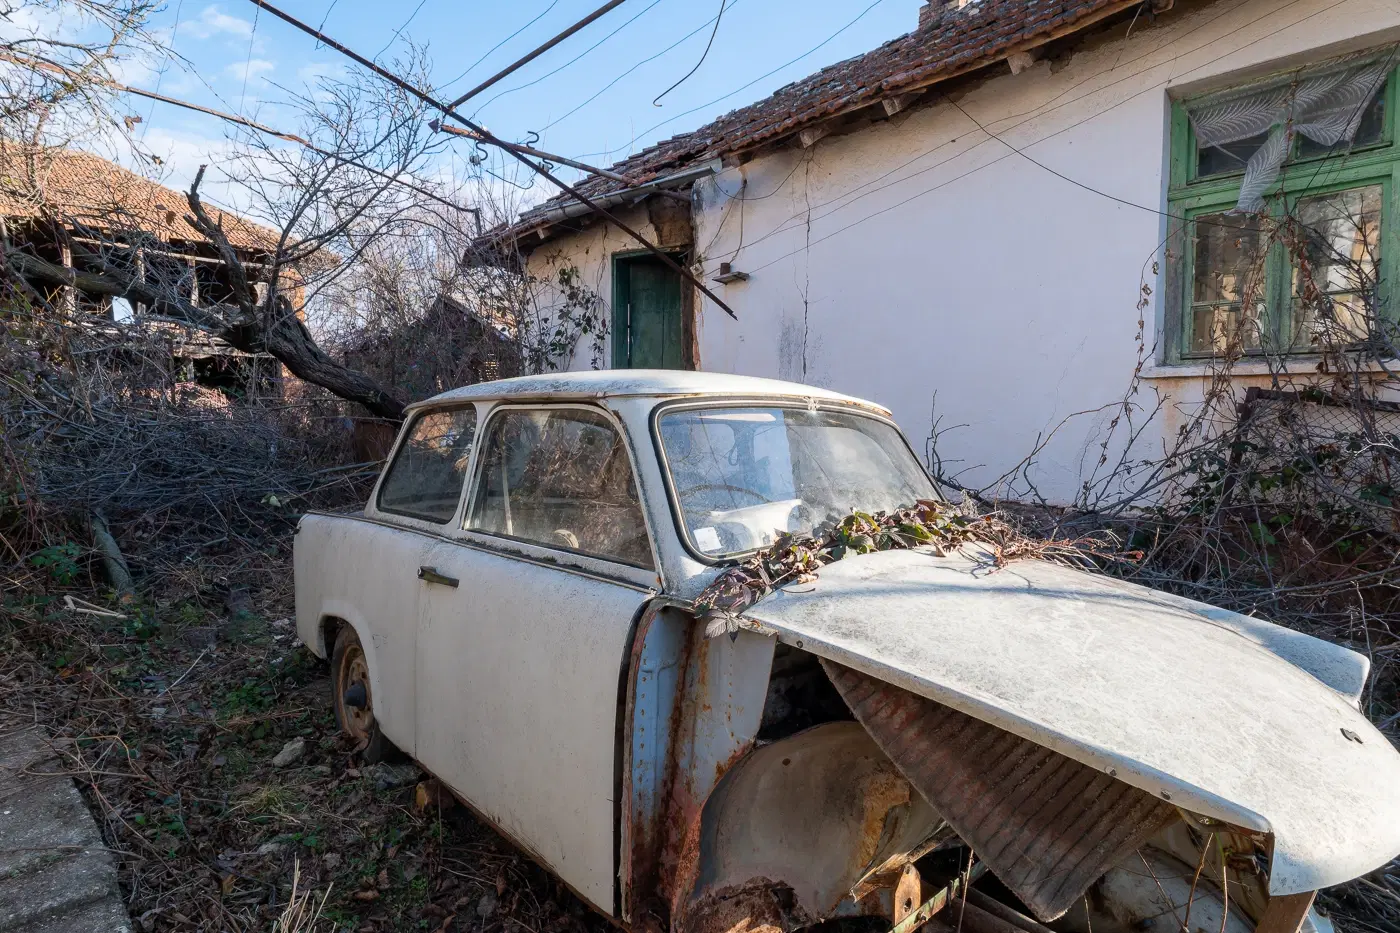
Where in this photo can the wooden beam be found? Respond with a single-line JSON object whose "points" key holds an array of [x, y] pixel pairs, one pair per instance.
{"points": [[898, 102], [1020, 61], [811, 134]]}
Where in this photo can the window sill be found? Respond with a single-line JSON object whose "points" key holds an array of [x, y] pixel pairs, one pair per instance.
{"points": [[1292, 366]]}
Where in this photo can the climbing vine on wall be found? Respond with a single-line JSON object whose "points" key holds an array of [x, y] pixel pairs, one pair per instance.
{"points": [[576, 313]]}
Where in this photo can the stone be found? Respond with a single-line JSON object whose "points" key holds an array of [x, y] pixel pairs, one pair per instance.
{"points": [[290, 753], [487, 905], [387, 776]]}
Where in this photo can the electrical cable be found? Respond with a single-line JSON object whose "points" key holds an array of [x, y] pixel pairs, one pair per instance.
{"points": [[536, 52], [164, 67], [761, 77], [552, 5], [489, 138], [325, 17], [1057, 102], [27, 62], [639, 64], [703, 55], [551, 74], [865, 190], [1014, 151], [400, 30], [248, 62]]}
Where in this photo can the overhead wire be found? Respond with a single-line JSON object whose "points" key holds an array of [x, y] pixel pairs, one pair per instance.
{"points": [[326, 16], [648, 59], [164, 67], [472, 66], [862, 191], [520, 87], [248, 62], [537, 52], [1013, 151], [852, 196], [397, 32], [155, 96], [811, 51], [703, 55], [489, 138]]}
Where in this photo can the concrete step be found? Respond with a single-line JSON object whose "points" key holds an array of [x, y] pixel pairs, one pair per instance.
{"points": [[55, 874]]}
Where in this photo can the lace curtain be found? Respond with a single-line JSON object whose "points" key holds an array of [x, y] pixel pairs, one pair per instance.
{"points": [[1325, 105]]}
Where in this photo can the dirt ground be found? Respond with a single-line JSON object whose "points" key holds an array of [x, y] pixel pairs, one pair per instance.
{"points": [[170, 714]]}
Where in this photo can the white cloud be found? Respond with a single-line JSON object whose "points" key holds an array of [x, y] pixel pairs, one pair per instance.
{"points": [[252, 68], [213, 21]]}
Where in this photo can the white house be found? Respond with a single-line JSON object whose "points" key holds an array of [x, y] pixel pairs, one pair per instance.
{"points": [[980, 209]]}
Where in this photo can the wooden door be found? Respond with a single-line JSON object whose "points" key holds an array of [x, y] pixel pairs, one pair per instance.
{"points": [[648, 331]]}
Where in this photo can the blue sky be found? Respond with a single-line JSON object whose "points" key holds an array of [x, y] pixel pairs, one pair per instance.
{"points": [[590, 97]]}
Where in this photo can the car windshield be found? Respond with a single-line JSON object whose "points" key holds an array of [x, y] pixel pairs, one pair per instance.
{"points": [[743, 476]]}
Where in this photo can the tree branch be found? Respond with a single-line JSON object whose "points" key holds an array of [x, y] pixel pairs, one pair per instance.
{"points": [[280, 334]]}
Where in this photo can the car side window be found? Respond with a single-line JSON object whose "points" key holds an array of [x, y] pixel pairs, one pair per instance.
{"points": [[426, 477], [561, 478]]}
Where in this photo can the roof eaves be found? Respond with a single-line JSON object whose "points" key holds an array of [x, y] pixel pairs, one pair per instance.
{"points": [[775, 119]]}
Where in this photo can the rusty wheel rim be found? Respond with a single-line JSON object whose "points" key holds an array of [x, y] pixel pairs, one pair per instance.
{"points": [[354, 670]]}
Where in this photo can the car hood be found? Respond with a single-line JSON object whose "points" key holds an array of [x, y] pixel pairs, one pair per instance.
{"points": [[1223, 715]]}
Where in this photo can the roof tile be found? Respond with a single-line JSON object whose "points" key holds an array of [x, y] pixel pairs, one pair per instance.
{"points": [[951, 40], [100, 193]]}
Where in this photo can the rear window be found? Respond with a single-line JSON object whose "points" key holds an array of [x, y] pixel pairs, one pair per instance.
{"points": [[425, 480]]}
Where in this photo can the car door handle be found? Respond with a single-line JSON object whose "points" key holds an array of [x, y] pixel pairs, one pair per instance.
{"points": [[429, 575]]}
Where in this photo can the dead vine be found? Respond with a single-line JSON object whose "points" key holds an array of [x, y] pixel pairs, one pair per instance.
{"points": [[931, 524]]}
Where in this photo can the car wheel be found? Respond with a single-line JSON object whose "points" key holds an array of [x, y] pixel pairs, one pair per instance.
{"points": [[353, 698]]}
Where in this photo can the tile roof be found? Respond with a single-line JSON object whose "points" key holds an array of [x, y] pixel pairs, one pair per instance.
{"points": [[952, 39], [102, 194]]}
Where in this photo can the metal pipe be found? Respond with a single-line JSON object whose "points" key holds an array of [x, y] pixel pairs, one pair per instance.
{"points": [[605, 8], [489, 138], [439, 126]]}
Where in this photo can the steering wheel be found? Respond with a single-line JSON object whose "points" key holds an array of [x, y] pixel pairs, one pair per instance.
{"points": [[760, 498]]}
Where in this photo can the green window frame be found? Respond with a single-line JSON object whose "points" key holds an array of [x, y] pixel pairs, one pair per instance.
{"points": [[1370, 166]]}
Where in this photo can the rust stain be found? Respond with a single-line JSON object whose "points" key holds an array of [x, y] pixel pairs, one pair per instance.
{"points": [[1046, 825]]}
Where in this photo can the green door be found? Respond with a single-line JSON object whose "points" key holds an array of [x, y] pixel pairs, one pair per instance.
{"points": [[647, 332]]}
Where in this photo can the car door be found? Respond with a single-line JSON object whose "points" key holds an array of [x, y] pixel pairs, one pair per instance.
{"points": [[416, 501], [524, 628]]}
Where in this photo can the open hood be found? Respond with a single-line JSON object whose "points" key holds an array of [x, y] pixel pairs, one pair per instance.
{"points": [[1222, 715]]}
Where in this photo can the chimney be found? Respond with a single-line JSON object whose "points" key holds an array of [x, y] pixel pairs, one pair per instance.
{"points": [[936, 11]]}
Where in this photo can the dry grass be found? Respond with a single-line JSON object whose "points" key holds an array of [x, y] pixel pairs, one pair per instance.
{"points": [[168, 715]]}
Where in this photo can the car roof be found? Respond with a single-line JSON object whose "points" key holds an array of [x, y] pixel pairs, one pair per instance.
{"points": [[658, 383]]}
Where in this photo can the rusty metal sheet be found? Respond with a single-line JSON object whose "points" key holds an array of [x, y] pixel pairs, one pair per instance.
{"points": [[1230, 718], [1046, 825]]}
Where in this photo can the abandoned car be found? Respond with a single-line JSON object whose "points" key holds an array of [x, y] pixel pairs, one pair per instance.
{"points": [[910, 730]]}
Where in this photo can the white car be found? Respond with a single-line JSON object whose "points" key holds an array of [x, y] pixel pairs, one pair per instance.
{"points": [[515, 609]]}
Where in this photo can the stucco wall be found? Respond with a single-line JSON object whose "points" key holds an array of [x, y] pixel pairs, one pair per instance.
{"points": [[589, 252], [920, 256]]}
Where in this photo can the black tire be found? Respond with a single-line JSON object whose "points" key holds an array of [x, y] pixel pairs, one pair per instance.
{"points": [[350, 669]]}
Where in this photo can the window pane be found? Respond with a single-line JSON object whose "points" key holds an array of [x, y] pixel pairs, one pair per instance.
{"points": [[1336, 279], [743, 476], [561, 478], [1370, 131], [1227, 272], [1229, 256], [426, 478], [1227, 157]]}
